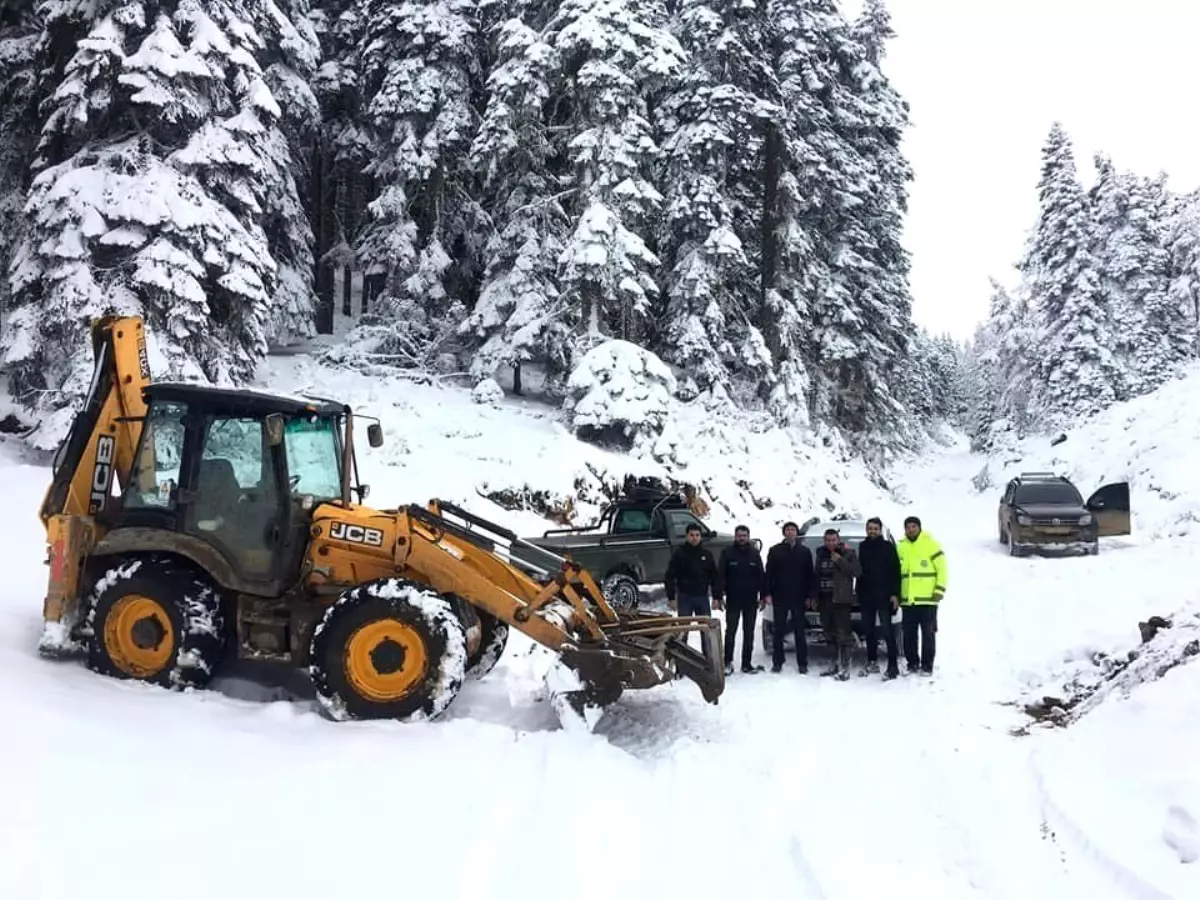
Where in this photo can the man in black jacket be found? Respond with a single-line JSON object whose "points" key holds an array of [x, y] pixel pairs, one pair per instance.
{"points": [[791, 587], [742, 576], [691, 574], [879, 596]]}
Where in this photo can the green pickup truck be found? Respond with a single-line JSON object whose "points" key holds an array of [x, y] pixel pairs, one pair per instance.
{"points": [[631, 544]]}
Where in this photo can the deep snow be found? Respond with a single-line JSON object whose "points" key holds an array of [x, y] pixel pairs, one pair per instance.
{"points": [[792, 786]]}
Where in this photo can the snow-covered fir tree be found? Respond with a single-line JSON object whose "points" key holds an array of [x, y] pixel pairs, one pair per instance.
{"points": [[1107, 308], [20, 29], [1183, 243], [1074, 369], [612, 56], [711, 123], [160, 165], [521, 316], [420, 66]]}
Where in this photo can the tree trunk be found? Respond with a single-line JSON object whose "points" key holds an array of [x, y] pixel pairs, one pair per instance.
{"points": [[516, 389], [322, 231]]}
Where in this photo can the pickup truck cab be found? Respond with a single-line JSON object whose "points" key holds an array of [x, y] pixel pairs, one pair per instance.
{"points": [[631, 544]]}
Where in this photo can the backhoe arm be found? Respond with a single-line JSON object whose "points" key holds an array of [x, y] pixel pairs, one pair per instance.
{"points": [[99, 448], [104, 435]]}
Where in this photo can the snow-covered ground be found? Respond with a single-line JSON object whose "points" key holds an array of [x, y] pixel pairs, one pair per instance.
{"points": [[792, 786]]}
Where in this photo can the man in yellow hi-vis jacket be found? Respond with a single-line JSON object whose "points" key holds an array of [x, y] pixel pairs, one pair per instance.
{"points": [[922, 586]]}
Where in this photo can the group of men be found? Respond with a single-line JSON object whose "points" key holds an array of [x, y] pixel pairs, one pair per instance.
{"points": [[884, 577]]}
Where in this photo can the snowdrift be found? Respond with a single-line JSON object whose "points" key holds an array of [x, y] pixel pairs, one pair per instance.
{"points": [[1150, 441]]}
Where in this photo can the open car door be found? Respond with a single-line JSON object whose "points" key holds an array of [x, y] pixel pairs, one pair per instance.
{"points": [[1110, 506]]}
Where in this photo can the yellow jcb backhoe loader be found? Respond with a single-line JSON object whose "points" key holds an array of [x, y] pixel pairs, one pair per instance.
{"points": [[234, 535]]}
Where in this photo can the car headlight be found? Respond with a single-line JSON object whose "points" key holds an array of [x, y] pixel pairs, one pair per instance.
{"points": [[1024, 520], [1085, 519]]}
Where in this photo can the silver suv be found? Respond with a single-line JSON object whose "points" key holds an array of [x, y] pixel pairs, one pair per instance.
{"points": [[812, 533]]}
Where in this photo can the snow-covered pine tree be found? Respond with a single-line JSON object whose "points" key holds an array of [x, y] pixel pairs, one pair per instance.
{"points": [[612, 56], [1129, 243], [161, 159], [1184, 245], [521, 317], [20, 29], [289, 68], [421, 70], [872, 125], [842, 146], [711, 122], [337, 188], [1073, 366]]}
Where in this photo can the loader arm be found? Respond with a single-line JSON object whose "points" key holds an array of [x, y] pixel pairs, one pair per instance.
{"points": [[610, 651], [99, 449]]}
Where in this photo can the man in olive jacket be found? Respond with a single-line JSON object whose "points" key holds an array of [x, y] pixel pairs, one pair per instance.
{"points": [[837, 566]]}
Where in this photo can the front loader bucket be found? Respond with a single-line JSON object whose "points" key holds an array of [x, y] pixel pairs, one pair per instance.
{"points": [[643, 650]]}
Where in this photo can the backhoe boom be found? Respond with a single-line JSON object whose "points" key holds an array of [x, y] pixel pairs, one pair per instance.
{"points": [[98, 451]]}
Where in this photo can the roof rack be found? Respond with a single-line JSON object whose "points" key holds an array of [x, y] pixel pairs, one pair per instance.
{"points": [[1037, 475]]}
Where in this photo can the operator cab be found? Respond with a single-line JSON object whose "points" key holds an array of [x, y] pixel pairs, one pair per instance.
{"points": [[238, 471]]}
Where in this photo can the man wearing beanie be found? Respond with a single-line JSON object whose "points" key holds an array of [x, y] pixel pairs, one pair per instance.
{"points": [[923, 581], [790, 585]]}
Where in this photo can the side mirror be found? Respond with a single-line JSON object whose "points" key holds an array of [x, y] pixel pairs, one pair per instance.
{"points": [[363, 490], [375, 435], [274, 423]]}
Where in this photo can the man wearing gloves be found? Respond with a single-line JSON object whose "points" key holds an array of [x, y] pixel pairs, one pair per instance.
{"points": [[923, 581]]}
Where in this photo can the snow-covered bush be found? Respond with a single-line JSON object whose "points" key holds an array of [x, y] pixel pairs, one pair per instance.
{"points": [[487, 391], [619, 394]]}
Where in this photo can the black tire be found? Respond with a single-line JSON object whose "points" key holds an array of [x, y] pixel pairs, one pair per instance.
{"points": [[491, 645], [414, 678], [1094, 548], [621, 591], [1003, 535], [155, 620]]}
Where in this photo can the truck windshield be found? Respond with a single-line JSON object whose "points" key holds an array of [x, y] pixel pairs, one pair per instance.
{"points": [[314, 464], [1053, 493]]}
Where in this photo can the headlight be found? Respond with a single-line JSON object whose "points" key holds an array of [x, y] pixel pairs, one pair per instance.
{"points": [[1024, 520], [1085, 519]]}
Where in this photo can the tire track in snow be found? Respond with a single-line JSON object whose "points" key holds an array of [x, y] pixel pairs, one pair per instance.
{"points": [[1132, 883], [1054, 816]]}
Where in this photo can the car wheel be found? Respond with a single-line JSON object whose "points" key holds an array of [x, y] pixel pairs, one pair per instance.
{"points": [[1094, 549], [1003, 535]]}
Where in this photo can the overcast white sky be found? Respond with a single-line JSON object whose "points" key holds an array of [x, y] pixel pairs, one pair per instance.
{"points": [[985, 79]]}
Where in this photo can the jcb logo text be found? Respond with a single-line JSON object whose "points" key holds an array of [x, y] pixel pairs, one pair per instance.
{"points": [[356, 534], [102, 473]]}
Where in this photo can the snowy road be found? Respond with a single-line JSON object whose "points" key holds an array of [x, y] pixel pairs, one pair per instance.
{"points": [[793, 786]]}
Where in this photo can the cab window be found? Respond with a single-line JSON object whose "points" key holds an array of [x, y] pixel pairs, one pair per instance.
{"points": [[159, 458], [314, 463], [631, 521]]}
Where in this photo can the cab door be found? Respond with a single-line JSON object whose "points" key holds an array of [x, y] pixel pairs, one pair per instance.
{"points": [[1110, 507], [238, 504]]}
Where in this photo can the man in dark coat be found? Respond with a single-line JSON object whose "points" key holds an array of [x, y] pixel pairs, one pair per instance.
{"points": [[879, 596], [837, 566], [742, 576], [691, 575], [791, 587]]}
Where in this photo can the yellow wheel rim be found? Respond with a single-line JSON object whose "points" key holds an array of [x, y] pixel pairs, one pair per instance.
{"points": [[384, 660], [139, 636]]}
